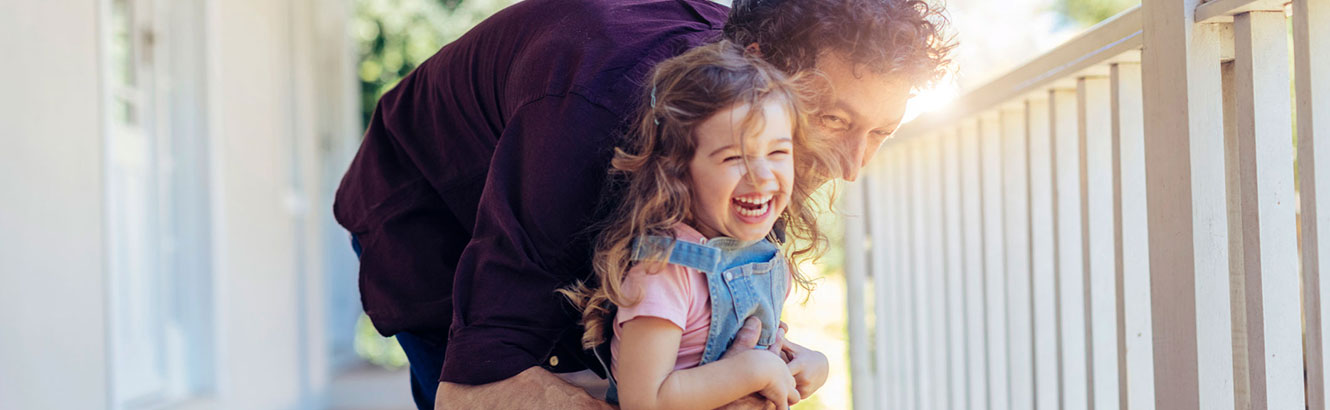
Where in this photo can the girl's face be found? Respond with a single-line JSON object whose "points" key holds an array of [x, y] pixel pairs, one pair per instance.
{"points": [[727, 199]]}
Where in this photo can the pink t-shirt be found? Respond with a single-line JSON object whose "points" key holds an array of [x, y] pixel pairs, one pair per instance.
{"points": [[674, 293]]}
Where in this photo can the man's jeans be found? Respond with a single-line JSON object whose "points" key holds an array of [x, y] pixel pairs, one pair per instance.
{"points": [[424, 355]]}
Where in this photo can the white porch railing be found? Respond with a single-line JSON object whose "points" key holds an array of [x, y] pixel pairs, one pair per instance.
{"points": [[1113, 225]]}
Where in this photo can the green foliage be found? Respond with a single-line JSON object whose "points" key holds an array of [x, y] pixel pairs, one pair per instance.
{"points": [[375, 348], [1088, 12], [395, 36], [833, 225]]}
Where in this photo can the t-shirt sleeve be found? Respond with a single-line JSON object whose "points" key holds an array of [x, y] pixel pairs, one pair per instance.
{"points": [[664, 294]]}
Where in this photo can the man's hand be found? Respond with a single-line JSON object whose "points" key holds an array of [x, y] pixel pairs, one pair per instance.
{"points": [[533, 388], [809, 367]]}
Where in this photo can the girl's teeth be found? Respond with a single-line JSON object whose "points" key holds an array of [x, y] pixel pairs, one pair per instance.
{"points": [[754, 201], [754, 212]]}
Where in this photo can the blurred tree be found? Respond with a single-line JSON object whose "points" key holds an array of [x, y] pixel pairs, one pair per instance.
{"points": [[394, 36], [377, 349], [1090, 12]]}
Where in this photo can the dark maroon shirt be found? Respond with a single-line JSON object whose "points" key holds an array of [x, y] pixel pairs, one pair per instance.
{"points": [[481, 171]]}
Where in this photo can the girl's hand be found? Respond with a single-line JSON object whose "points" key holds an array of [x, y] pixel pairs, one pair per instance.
{"points": [[778, 347], [779, 385], [808, 367]]}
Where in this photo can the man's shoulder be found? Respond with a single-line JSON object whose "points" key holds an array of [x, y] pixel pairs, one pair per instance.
{"points": [[603, 49]]}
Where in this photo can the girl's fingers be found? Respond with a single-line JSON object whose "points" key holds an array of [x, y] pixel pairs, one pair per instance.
{"points": [[778, 345], [794, 395]]}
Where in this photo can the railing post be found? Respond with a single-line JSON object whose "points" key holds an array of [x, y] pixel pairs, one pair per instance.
{"points": [[1185, 195], [1311, 53], [1270, 244]]}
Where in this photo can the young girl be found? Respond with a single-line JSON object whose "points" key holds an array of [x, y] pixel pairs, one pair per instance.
{"points": [[719, 158]]}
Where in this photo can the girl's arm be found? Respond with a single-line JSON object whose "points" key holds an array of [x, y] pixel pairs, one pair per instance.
{"points": [[647, 379]]}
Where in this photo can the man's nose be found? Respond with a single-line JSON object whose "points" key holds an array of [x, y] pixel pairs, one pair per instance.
{"points": [[856, 156]]}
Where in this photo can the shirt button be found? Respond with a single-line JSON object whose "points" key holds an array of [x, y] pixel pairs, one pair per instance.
{"points": [[554, 360]]}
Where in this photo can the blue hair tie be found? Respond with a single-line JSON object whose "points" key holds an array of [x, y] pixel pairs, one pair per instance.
{"points": [[653, 103]]}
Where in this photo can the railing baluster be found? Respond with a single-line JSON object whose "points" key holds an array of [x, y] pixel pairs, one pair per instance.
{"points": [[1185, 197], [973, 258], [1274, 338], [1068, 248], [1043, 262], [955, 283], [883, 255], [931, 177], [894, 294], [1236, 268], [922, 275], [1016, 208], [1097, 217], [901, 232], [995, 278], [1311, 51], [1135, 345], [856, 266]]}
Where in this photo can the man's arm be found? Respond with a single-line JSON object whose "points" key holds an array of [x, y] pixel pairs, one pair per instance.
{"points": [[537, 388], [533, 388]]}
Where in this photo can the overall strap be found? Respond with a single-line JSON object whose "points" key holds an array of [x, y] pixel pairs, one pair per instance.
{"points": [[683, 253]]}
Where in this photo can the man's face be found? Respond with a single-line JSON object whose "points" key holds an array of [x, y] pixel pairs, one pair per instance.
{"points": [[859, 113]]}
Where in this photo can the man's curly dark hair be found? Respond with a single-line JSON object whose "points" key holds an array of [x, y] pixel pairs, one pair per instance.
{"points": [[896, 37]]}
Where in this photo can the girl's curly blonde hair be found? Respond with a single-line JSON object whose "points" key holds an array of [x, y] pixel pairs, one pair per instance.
{"points": [[653, 168]]}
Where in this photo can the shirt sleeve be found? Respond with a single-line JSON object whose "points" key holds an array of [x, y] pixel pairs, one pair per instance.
{"points": [[664, 294], [530, 239]]}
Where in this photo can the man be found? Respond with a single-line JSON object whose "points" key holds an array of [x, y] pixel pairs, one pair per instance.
{"points": [[481, 172]]}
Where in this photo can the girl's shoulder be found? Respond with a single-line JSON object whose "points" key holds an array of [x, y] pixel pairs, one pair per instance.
{"points": [[684, 232]]}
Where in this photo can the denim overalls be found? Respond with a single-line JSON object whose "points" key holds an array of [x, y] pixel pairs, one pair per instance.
{"points": [[743, 279]]}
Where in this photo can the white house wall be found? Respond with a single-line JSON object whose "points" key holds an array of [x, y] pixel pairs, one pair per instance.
{"points": [[270, 102], [282, 120], [53, 351]]}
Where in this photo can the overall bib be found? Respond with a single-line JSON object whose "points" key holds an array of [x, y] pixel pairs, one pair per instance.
{"points": [[743, 279]]}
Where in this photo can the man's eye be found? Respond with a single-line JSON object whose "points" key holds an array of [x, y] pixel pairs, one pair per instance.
{"points": [[882, 135], [834, 122]]}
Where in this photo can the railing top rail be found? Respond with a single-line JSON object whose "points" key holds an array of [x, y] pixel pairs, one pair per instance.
{"points": [[1222, 11], [1103, 42]]}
